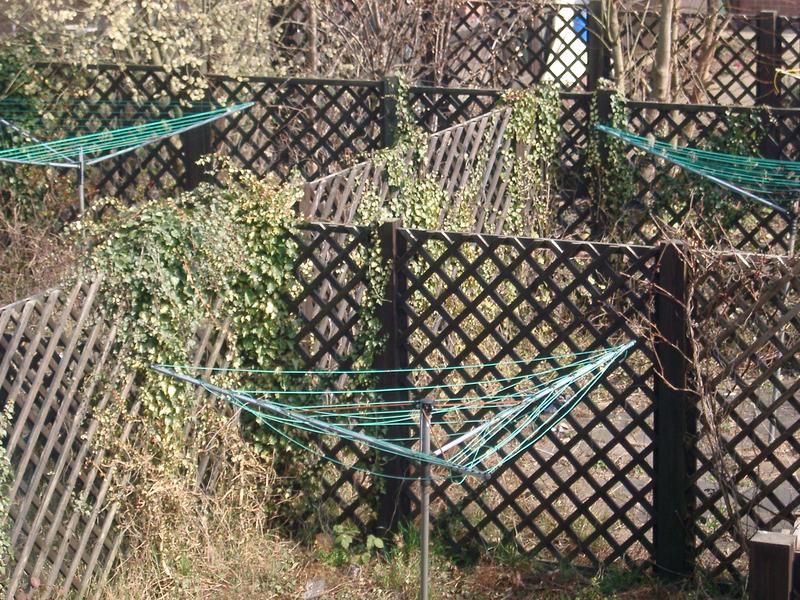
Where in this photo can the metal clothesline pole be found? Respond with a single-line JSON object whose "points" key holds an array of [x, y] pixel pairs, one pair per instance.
{"points": [[425, 498], [81, 193]]}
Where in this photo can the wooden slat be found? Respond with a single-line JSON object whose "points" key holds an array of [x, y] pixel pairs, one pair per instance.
{"points": [[53, 340], [68, 529], [72, 433], [77, 462]]}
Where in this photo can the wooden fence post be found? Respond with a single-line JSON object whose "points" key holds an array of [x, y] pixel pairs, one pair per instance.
{"points": [[196, 143], [674, 418], [768, 57], [389, 90], [394, 504], [596, 67], [772, 558], [603, 100], [306, 204]]}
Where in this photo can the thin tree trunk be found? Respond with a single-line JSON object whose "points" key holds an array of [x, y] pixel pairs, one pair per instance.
{"points": [[714, 26], [312, 57], [614, 41], [660, 75]]}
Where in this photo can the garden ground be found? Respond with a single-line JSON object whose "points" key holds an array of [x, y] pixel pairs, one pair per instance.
{"points": [[245, 566]]}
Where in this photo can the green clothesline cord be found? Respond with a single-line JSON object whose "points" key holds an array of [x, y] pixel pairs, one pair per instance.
{"points": [[478, 443], [471, 402], [720, 156], [513, 414], [381, 371], [768, 181], [440, 386], [409, 417], [57, 151], [378, 391], [84, 109]]}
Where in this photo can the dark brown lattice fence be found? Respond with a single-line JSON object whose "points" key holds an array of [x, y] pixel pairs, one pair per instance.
{"points": [[790, 58], [315, 127], [513, 43], [737, 222], [747, 326], [593, 491], [658, 199], [311, 126], [585, 492]]}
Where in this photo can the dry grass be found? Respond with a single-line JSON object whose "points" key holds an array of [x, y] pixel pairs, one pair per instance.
{"points": [[187, 542], [34, 256], [245, 564]]}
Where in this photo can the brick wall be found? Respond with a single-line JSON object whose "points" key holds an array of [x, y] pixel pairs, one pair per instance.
{"points": [[789, 8]]}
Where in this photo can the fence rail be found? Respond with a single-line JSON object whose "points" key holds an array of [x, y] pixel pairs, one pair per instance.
{"points": [[592, 492]]}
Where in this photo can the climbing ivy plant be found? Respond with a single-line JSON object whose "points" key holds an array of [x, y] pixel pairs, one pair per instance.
{"points": [[529, 166], [225, 258], [532, 160], [219, 257], [173, 266], [612, 186]]}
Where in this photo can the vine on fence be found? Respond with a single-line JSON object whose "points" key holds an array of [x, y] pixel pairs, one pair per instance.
{"points": [[418, 195], [535, 130], [219, 257], [612, 184], [165, 264]]}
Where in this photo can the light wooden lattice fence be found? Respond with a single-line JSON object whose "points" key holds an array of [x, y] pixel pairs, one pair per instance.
{"points": [[56, 352], [472, 152]]}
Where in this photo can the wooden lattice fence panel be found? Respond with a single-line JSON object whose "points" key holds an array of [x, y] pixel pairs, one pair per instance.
{"points": [[337, 197], [585, 492], [735, 79], [731, 73], [53, 348], [747, 326], [332, 275], [513, 43], [750, 226], [573, 210], [148, 94], [455, 157], [437, 108], [56, 355], [789, 28], [312, 126]]}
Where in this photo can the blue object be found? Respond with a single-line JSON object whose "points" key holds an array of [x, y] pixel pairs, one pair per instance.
{"points": [[579, 25]]}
